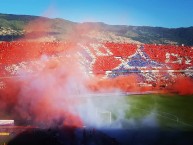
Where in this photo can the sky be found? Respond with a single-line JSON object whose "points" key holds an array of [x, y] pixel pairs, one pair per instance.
{"points": [[162, 13]]}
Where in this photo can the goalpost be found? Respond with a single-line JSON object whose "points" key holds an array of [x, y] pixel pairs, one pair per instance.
{"points": [[104, 116]]}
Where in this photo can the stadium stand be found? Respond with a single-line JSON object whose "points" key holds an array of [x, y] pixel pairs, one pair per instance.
{"points": [[145, 60]]}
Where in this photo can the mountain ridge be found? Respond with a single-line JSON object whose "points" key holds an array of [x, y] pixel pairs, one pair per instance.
{"points": [[60, 29]]}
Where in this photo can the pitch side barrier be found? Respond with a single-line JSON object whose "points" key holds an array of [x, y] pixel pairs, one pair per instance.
{"points": [[146, 71], [114, 72]]}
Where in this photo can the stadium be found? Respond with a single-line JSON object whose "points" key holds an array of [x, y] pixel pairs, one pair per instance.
{"points": [[100, 72], [123, 86]]}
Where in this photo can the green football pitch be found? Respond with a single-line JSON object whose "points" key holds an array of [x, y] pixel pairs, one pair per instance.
{"points": [[166, 111]]}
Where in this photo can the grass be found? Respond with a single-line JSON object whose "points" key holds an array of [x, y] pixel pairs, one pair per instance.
{"points": [[171, 111]]}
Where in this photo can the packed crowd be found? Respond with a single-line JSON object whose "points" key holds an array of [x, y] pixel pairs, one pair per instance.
{"points": [[102, 57], [124, 50], [177, 57], [105, 63], [18, 51]]}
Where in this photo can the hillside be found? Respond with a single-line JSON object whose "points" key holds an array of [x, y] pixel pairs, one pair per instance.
{"points": [[13, 27]]}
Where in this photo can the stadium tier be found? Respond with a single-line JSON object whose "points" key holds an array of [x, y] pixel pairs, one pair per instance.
{"points": [[148, 61]]}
